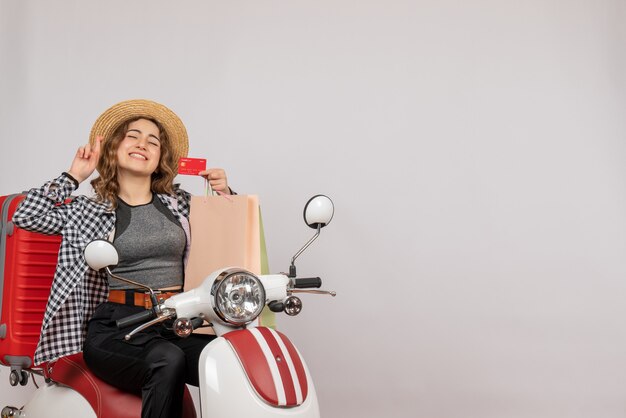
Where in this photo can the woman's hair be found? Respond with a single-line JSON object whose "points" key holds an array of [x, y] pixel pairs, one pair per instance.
{"points": [[106, 185]]}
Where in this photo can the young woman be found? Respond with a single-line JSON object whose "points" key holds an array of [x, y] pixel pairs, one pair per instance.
{"points": [[135, 146]]}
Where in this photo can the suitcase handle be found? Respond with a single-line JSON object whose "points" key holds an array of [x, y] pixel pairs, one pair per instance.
{"points": [[10, 228]]}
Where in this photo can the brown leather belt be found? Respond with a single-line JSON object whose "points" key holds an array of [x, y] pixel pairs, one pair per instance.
{"points": [[138, 298]]}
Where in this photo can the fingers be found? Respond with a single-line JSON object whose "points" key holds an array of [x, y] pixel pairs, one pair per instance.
{"points": [[213, 174], [98, 146], [88, 152], [218, 185], [84, 152], [85, 161], [217, 178]]}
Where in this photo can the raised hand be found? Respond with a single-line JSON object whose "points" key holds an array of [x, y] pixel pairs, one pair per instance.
{"points": [[85, 160]]}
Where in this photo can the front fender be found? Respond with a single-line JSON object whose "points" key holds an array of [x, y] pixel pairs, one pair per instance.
{"points": [[237, 377]]}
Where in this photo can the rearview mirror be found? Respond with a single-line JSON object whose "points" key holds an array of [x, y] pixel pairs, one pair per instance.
{"points": [[318, 211], [101, 253]]}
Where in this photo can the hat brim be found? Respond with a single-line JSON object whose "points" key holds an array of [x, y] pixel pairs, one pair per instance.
{"points": [[116, 115]]}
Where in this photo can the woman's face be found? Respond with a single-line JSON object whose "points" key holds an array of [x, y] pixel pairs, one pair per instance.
{"points": [[140, 150]]}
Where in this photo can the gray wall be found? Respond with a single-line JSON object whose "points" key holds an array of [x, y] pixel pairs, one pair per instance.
{"points": [[474, 150]]}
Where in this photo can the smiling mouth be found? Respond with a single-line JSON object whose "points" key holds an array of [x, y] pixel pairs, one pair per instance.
{"points": [[137, 156]]}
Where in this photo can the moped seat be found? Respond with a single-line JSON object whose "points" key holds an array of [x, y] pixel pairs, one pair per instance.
{"points": [[106, 400]]}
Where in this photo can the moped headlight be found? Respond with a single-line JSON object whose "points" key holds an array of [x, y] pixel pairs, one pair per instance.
{"points": [[239, 296]]}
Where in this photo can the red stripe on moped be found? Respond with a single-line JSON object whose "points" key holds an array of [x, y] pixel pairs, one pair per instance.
{"points": [[255, 361], [297, 362], [254, 364], [283, 368]]}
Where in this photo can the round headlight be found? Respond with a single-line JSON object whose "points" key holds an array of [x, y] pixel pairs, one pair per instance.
{"points": [[239, 296]]}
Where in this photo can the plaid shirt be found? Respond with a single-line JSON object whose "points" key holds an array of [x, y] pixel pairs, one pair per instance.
{"points": [[76, 288]]}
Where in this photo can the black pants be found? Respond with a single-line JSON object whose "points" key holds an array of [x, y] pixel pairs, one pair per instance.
{"points": [[154, 363]]}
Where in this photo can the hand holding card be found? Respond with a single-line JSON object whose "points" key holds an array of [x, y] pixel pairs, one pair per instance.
{"points": [[191, 166], [217, 180]]}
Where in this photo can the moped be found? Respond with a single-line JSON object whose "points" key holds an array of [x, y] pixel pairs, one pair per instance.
{"points": [[247, 371]]}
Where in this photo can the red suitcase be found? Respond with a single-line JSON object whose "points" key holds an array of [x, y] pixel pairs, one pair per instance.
{"points": [[27, 264]]}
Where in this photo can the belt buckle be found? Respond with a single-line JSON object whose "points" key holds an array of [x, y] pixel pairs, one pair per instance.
{"points": [[148, 301]]}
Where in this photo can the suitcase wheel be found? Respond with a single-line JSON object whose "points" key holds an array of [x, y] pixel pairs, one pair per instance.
{"points": [[18, 376]]}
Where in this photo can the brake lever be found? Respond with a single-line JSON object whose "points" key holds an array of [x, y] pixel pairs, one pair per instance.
{"points": [[164, 315], [314, 291]]}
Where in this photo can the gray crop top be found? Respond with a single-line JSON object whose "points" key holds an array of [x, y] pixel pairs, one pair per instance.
{"points": [[151, 244]]}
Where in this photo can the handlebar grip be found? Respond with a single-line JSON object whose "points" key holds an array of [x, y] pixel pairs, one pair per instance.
{"points": [[307, 282], [143, 316], [197, 322]]}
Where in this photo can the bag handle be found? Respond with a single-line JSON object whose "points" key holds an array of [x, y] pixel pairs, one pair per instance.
{"points": [[208, 189]]}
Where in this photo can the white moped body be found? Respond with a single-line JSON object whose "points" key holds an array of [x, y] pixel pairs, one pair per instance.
{"points": [[247, 371], [225, 391], [57, 401], [244, 372]]}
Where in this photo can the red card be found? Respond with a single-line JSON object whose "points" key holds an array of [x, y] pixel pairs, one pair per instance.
{"points": [[191, 166]]}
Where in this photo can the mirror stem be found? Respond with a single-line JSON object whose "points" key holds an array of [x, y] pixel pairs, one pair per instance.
{"points": [[292, 268], [152, 296]]}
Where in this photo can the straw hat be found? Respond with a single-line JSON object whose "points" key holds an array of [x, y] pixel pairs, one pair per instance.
{"points": [[119, 113]]}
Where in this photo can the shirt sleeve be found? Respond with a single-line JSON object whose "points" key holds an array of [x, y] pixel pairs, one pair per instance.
{"points": [[184, 200], [43, 210]]}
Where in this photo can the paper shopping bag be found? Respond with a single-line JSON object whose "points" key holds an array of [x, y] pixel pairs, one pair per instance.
{"points": [[226, 231]]}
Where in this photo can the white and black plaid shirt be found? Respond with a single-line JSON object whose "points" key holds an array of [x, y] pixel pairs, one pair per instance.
{"points": [[76, 289]]}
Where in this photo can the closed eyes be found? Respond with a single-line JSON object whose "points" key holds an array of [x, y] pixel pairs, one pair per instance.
{"points": [[154, 141]]}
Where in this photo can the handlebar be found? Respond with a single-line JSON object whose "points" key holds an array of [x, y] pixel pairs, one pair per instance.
{"points": [[135, 319], [307, 283], [197, 322], [155, 315]]}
